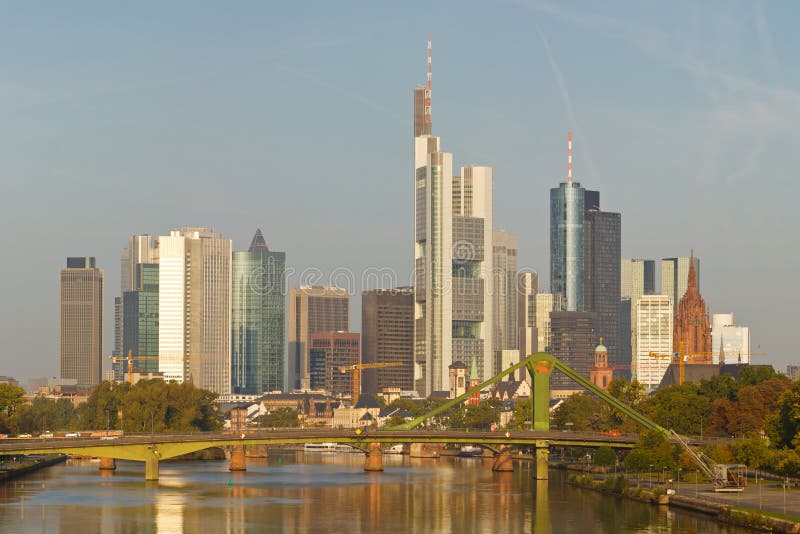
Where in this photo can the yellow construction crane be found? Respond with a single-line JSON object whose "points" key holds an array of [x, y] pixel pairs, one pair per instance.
{"points": [[130, 359], [356, 370], [682, 358]]}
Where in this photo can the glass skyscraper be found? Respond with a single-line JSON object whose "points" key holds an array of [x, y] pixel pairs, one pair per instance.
{"points": [[140, 318], [602, 232], [257, 319], [567, 202]]}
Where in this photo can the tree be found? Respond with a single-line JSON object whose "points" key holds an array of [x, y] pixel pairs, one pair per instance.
{"points": [[605, 456], [751, 375], [480, 416], [678, 407], [584, 412], [10, 398], [522, 418], [784, 425], [280, 418]]}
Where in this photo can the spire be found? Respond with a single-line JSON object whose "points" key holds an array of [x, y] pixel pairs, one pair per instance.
{"points": [[721, 350], [258, 244], [428, 88], [569, 158], [691, 283]]}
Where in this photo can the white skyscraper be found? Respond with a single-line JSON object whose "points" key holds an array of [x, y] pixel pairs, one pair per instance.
{"points": [[729, 340], [194, 301], [546, 303], [654, 320], [528, 337]]}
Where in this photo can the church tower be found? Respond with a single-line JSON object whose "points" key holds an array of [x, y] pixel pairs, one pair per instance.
{"points": [[692, 334]]}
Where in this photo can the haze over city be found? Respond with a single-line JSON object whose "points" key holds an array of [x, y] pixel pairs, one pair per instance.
{"points": [[298, 121]]}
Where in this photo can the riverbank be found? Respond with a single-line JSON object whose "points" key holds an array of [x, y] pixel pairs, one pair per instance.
{"points": [[29, 465], [723, 512]]}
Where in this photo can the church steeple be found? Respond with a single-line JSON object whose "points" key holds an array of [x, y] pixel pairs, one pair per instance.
{"points": [[721, 350]]}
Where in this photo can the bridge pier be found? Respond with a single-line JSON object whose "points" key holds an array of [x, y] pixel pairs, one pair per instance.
{"points": [[424, 450], [542, 455], [151, 467], [373, 461], [238, 460], [108, 464], [503, 461]]}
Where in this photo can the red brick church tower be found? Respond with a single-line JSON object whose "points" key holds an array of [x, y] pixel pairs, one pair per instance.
{"points": [[692, 333]]}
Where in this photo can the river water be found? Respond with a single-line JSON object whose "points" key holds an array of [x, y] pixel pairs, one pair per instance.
{"points": [[318, 492]]}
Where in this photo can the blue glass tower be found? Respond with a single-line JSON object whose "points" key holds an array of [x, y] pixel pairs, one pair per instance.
{"points": [[566, 244]]}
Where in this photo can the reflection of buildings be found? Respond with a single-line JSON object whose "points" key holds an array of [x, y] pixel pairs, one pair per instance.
{"points": [[169, 511]]}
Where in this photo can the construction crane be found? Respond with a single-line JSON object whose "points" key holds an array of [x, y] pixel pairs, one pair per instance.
{"points": [[356, 370], [681, 358], [130, 359]]}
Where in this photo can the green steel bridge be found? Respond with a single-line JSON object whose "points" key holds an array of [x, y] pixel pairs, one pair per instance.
{"points": [[152, 448]]}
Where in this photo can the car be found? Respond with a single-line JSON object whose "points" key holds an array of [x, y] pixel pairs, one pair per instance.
{"points": [[46, 435], [24, 436], [105, 438], [72, 435]]}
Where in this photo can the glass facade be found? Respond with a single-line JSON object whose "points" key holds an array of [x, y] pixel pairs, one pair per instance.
{"points": [[140, 319], [567, 203], [602, 232], [257, 321]]}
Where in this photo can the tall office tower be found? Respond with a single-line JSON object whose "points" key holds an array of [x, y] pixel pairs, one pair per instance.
{"points": [[654, 334], [194, 307], [138, 250], [258, 311], [637, 278], [546, 304], [387, 335], [330, 352], [567, 208], [453, 265], [504, 291], [692, 335], [422, 103], [591, 201], [602, 257], [625, 348], [312, 309], [140, 319], [82, 321], [574, 338], [528, 335], [675, 277], [729, 343]]}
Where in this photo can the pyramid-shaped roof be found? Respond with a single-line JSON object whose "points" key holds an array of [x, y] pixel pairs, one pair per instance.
{"points": [[258, 244]]}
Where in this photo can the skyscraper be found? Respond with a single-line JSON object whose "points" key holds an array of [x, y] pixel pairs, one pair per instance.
{"points": [[602, 234], [329, 353], [546, 304], [574, 338], [140, 318], [567, 208], [139, 250], [453, 265], [504, 293], [194, 306], [653, 335], [692, 334], [675, 277], [82, 287], [387, 335], [729, 342], [258, 315], [528, 335], [637, 278], [312, 309]]}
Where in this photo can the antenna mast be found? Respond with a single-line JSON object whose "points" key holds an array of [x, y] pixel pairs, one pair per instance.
{"points": [[428, 89], [569, 158]]}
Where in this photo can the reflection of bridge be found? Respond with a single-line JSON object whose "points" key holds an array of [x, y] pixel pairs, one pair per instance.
{"points": [[150, 449]]}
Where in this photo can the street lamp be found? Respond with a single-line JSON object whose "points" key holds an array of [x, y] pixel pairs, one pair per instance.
{"points": [[679, 480]]}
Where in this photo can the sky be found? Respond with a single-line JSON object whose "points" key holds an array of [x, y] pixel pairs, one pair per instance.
{"points": [[296, 118]]}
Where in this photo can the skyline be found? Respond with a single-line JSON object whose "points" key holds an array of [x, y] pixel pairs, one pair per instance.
{"points": [[112, 139]]}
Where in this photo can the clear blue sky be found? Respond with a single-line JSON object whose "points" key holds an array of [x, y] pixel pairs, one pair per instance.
{"points": [[139, 117]]}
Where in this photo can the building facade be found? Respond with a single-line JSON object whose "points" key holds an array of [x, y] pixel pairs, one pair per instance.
{"points": [[528, 335], [194, 305], [567, 244], [140, 319], [546, 304], [637, 278], [574, 338], [504, 293], [654, 318], [729, 343], [258, 297], [331, 356], [387, 335], [603, 235], [312, 309], [82, 297]]}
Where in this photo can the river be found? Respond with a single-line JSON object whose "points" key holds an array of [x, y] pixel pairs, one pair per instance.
{"points": [[318, 492]]}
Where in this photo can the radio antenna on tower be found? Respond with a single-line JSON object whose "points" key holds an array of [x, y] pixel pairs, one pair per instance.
{"points": [[428, 89], [569, 158]]}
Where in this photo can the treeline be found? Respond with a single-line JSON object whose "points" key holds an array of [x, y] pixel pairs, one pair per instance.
{"points": [[761, 410], [150, 405]]}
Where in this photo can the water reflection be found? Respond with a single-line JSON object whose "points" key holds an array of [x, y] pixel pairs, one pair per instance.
{"points": [[323, 493]]}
